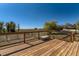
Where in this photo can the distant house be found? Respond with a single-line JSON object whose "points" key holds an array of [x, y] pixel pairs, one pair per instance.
{"points": [[69, 27]]}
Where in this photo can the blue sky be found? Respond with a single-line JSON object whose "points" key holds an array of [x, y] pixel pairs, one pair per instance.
{"points": [[34, 15]]}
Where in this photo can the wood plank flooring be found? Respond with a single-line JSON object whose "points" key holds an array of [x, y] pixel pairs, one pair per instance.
{"points": [[51, 48]]}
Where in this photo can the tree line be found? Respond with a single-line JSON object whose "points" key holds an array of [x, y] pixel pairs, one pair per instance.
{"points": [[53, 25], [7, 27], [50, 25]]}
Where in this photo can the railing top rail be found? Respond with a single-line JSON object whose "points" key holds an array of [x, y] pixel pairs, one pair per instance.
{"points": [[31, 31]]}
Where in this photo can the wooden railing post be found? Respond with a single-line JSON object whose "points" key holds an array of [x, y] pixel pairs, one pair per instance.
{"points": [[72, 36], [17, 36], [38, 35], [24, 38], [7, 38], [49, 34]]}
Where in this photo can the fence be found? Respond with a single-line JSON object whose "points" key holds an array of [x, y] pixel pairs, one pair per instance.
{"points": [[31, 36]]}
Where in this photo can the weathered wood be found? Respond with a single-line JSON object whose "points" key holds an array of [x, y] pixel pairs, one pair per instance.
{"points": [[63, 50], [30, 50], [50, 48], [50, 51], [74, 53], [24, 37], [66, 50], [6, 38], [13, 49], [53, 47], [71, 50], [78, 50]]}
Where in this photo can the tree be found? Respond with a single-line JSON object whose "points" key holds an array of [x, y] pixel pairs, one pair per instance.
{"points": [[59, 27], [35, 28], [1, 26], [18, 27], [4, 30], [50, 25], [77, 25], [11, 26]]}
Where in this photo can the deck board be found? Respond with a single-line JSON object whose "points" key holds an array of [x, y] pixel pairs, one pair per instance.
{"points": [[71, 49], [49, 52], [75, 49], [58, 50], [42, 49], [51, 48], [66, 50], [12, 49], [78, 50], [26, 51], [63, 50]]}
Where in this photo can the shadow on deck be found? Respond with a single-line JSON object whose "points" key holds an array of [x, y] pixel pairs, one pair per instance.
{"points": [[59, 45], [51, 48]]}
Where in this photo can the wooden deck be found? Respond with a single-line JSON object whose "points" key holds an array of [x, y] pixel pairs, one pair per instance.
{"points": [[51, 48]]}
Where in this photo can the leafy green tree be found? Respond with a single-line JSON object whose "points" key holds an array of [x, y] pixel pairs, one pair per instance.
{"points": [[11, 26], [4, 30], [35, 28], [1, 26], [50, 25], [77, 25], [59, 27]]}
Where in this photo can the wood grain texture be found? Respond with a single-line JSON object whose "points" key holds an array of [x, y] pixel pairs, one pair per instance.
{"points": [[51, 48]]}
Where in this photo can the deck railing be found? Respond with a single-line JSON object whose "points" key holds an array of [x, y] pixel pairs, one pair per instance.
{"points": [[15, 37]]}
